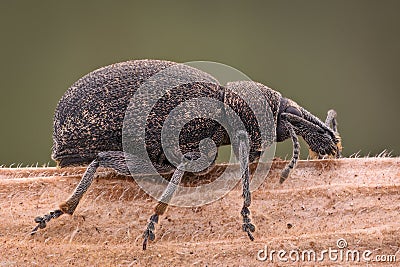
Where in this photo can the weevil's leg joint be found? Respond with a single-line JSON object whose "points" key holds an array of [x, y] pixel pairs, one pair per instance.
{"points": [[70, 205]]}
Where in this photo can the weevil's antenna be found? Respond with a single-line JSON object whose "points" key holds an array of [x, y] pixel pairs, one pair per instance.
{"points": [[331, 120]]}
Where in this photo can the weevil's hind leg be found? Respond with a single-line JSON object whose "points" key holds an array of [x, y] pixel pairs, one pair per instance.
{"points": [[296, 152], [110, 159], [163, 204], [247, 226], [70, 205]]}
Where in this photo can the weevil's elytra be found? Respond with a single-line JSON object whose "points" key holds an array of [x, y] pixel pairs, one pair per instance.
{"points": [[89, 119]]}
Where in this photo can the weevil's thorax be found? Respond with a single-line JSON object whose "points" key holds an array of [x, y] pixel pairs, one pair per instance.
{"points": [[257, 107]]}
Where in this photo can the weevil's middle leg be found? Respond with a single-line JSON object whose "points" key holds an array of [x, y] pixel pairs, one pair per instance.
{"points": [[163, 204], [247, 226]]}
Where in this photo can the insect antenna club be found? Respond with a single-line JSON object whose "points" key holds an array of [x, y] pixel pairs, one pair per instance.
{"points": [[97, 124]]}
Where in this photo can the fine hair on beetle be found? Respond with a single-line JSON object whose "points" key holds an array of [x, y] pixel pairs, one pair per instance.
{"points": [[115, 117]]}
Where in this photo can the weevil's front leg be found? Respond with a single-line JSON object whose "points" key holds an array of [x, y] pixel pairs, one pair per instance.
{"points": [[110, 159], [296, 152], [247, 226]]}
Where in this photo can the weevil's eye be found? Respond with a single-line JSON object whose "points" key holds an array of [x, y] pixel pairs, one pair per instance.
{"points": [[294, 111]]}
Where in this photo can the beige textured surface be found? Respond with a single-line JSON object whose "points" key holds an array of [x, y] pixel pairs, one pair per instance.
{"points": [[323, 200]]}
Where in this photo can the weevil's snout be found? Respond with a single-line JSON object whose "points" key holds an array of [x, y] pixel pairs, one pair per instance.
{"points": [[327, 145], [337, 152], [322, 145], [331, 123]]}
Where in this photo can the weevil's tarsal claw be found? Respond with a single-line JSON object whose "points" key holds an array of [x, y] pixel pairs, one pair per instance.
{"points": [[149, 232], [247, 226], [42, 221], [146, 235]]}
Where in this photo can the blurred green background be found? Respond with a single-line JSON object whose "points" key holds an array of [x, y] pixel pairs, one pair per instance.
{"points": [[322, 54]]}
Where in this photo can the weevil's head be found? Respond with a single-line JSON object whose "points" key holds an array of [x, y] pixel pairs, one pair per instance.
{"points": [[334, 137], [323, 141], [332, 124], [282, 128]]}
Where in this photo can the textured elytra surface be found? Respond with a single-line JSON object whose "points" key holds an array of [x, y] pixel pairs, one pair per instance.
{"points": [[324, 200], [89, 117]]}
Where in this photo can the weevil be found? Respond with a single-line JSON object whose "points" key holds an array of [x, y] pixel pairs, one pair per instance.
{"points": [[89, 118]]}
